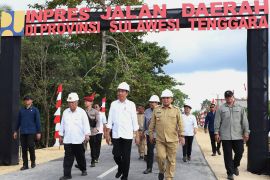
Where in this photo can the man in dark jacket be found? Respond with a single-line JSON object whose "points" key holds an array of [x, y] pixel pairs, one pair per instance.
{"points": [[209, 122], [29, 125]]}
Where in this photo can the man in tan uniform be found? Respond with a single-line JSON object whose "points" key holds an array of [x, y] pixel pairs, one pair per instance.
{"points": [[167, 122], [141, 146]]}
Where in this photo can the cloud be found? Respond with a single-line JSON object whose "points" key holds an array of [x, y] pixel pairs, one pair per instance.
{"points": [[203, 50], [203, 85]]}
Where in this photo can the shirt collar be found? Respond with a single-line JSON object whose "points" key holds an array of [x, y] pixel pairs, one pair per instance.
{"points": [[170, 106], [125, 102]]}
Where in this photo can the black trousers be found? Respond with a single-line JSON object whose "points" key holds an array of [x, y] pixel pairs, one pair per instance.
{"points": [[187, 148], [150, 153], [71, 151], [121, 153], [215, 145], [28, 143], [237, 146], [95, 145]]}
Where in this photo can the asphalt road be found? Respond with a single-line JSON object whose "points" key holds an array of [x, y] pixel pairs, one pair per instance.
{"points": [[196, 169]]}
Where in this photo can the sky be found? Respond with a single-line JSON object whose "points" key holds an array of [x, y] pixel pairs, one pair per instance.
{"points": [[207, 62]]}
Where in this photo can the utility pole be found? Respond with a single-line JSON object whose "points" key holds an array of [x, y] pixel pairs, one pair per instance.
{"points": [[104, 41]]}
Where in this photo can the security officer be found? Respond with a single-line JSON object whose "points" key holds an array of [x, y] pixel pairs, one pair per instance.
{"points": [[167, 122], [94, 121], [153, 102], [232, 128]]}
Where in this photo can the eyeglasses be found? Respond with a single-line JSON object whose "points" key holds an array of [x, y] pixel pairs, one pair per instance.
{"points": [[212, 107]]}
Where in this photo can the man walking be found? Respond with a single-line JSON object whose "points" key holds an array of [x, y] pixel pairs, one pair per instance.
{"points": [[209, 123], [232, 128], [167, 122], [101, 126], [141, 146], [74, 132], [29, 126], [190, 129], [123, 123], [153, 102], [94, 121]]}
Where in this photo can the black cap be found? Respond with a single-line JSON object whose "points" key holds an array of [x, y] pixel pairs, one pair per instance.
{"points": [[228, 93], [188, 106], [27, 98]]}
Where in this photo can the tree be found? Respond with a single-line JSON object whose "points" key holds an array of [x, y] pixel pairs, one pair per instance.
{"points": [[205, 104]]}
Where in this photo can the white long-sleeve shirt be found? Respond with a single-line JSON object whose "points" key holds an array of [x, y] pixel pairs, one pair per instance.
{"points": [[103, 120], [190, 123], [74, 126], [123, 119]]}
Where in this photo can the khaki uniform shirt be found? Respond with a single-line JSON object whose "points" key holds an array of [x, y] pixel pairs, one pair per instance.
{"points": [[93, 114], [140, 118], [231, 122], [167, 122]]}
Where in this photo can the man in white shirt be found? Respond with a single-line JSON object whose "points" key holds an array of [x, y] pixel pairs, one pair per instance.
{"points": [[123, 123], [190, 129], [74, 131]]}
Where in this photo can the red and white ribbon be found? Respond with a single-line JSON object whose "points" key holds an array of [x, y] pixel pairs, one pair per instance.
{"points": [[57, 115]]}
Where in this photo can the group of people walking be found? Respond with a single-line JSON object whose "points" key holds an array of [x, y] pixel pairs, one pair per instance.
{"points": [[162, 127]]}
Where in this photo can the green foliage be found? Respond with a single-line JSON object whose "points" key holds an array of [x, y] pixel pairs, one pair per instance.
{"points": [[205, 104]]}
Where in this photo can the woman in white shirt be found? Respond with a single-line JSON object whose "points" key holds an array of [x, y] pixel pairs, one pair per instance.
{"points": [[190, 129], [102, 123]]}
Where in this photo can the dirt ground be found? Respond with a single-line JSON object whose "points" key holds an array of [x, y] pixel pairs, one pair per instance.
{"points": [[217, 164], [42, 156]]}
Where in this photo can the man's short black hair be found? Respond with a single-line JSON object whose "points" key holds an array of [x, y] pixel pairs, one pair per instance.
{"points": [[27, 97]]}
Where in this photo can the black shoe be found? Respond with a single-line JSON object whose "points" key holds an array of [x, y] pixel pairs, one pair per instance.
{"points": [[147, 171], [230, 177], [84, 173], [65, 177], [140, 158], [188, 158], [33, 165], [24, 168], [118, 174], [214, 154], [185, 159], [160, 176], [93, 164], [236, 171], [218, 151], [77, 166]]}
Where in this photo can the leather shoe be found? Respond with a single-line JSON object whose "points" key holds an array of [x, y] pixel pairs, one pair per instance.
{"points": [[185, 159], [118, 174], [84, 173], [147, 171], [160, 176], [214, 154], [236, 171], [33, 165], [24, 168], [230, 177], [65, 177], [218, 151]]}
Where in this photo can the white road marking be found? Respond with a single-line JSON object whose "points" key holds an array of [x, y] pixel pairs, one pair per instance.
{"points": [[107, 172]]}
